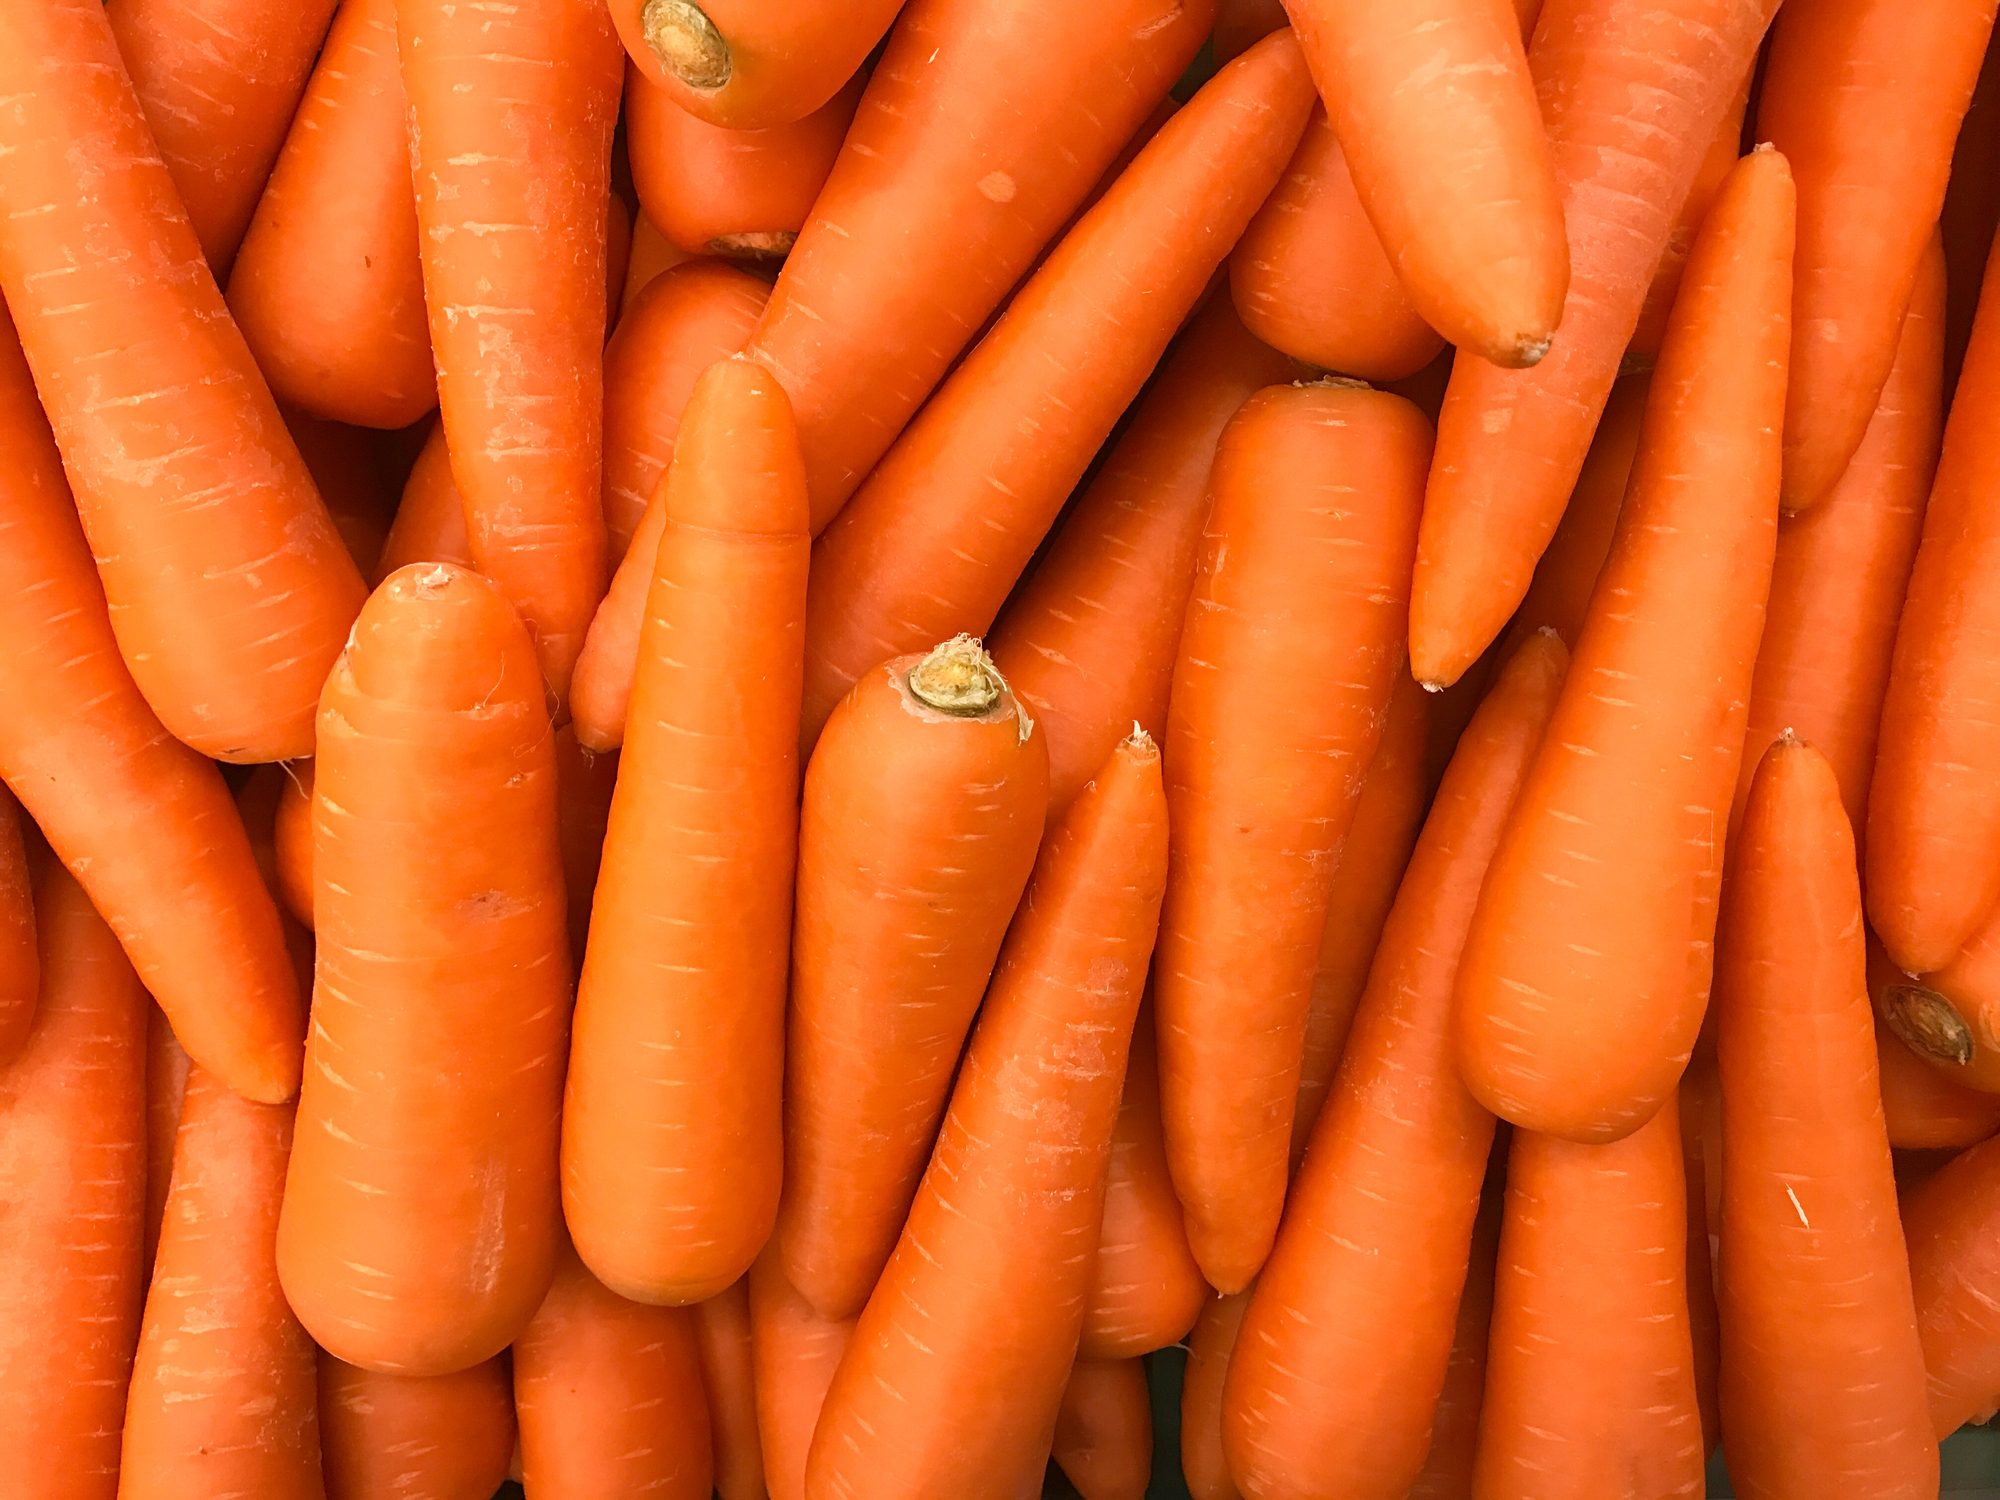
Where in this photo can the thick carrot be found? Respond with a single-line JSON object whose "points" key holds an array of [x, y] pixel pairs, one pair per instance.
{"points": [[651, 256], [1447, 1471], [1632, 95], [73, 1177], [743, 65], [1104, 1430], [403, 1437], [796, 1352], [1590, 1391], [429, 525], [230, 591], [729, 1376], [1952, 1226], [608, 1395], [1343, 1353], [1822, 1370], [957, 1365], [20, 966], [1292, 644], [1209, 1348], [1871, 157], [923, 807], [1716, 165], [1587, 971], [224, 1395], [328, 288], [585, 783], [984, 125], [291, 841], [166, 1083], [1088, 638], [420, 1216], [511, 116]]}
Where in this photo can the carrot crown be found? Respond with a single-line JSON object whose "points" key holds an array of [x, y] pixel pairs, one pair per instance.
{"points": [[957, 677], [687, 43]]}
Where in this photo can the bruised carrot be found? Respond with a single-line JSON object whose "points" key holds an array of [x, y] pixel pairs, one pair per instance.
{"points": [[651, 257], [796, 1351], [1447, 1471], [1104, 1430], [1949, 1223], [166, 1083], [923, 807], [1716, 165], [20, 967], [433, 1437], [742, 65], [585, 782], [429, 525], [1209, 1348], [420, 1213], [291, 840], [728, 1375]]}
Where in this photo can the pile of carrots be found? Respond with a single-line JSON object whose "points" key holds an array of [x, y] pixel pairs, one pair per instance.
{"points": [[745, 743]]}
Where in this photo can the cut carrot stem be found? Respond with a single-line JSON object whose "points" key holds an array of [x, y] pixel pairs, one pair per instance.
{"points": [[1209, 1347], [429, 526], [1104, 1430], [722, 1328], [442, 1436], [1952, 1226], [166, 1082], [796, 1351], [20, 964]]}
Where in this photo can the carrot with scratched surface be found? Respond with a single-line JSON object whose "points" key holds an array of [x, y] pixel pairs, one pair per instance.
{"points": [[512, 110], [1088, 639], [166, 1082], [1587, 970], [1292, 645], [1210, 1345], [230, 591], [929, 1400], [1632, 95], [923, 806], [430, 1437], [795, 1351], [1952, 1226], [1343, 1352], [421, 1212], [1104, 1430], [1822, 1369], [20, 967], [743, 65], [728, 1375], [984, 125]]}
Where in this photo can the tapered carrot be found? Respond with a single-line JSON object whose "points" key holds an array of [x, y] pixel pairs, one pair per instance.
{"points": [[1104, 1430], [1632, 95], [796, 1352], [511, 117], [328, 288], [1950, 1225], [585, 783], [1716, 165], [744, 66], [608, 1395], [73, 1177], [20, 967], [981, 129], [728, 1375], [230, 592], [928, 1400], [429, 525], [1586, 974], [420, 1214], [923, 807], [1292, 644], [1447, 1471], [166, 1082], [1822, 1369], [1925, 1110], [651, 257], [402, 1437], [1871, 158], [1343, 1353], [1209, 1348]]}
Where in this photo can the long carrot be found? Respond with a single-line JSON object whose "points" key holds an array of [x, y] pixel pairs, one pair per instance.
{"points": [[328, 287], [1293, 641], [420, 1216], [957, 1365], [984, 125], [1716, 165], [166, 1081], [230, 592], [1632, 95], [402, 1437], [1447, 1471], [796, 1351], [1952, 1226], [743, 65], [936, 537], [1586, 974], [73, 1177], [1822, 1371], [20, 965], [728, 1374], [923, 807], [1209, 1348], [511, 117], [1104, 1430], [1341, 1358], [429, 525], [1871, 157]]}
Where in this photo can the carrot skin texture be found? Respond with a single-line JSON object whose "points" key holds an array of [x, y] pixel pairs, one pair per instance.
{"points": [[421, 1211], [429, 525], [166, 1081], [1822, 1368], [402, 1437], [796, 1351], [73, 1176], [722, 1331], [1104, 1430], [20, 960], [1209, 1348], [1657, 698], [1715, 168], [1285, 669], [1949, 1223]]}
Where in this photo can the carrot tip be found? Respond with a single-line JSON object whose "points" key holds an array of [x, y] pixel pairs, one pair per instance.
{"points": [[1927, 1022], [1531, 351], [958, 678], [1432, 687], [757, 244], [686, 43], [1141, 743]]}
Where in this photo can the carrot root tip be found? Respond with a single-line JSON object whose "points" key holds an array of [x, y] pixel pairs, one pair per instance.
{"points": [[957, 677], [757, 244], [1530, 352], [1928, 1022], [686, 43]]}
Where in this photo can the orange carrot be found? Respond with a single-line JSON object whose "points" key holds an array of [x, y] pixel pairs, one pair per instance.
{"points": [[1951, 1017], [20, 968], [328, 288], [436, 1437], [1631, 96], [1284, 673], [923, 807], [651, 256], [342, 462], [728, 1374], [1952, 1225], [796, 1352], [511, 116], [1343, 1352], [420, 1213], [1925, 1110], [1586, 974], [1209, 1349], [429, 525], [617, 252], [585, 782], [1971, 212], [1822, 1368], [1700, 1104], [1716, 165], [166, 1083], [1104, 1430], [957, 1365], [744, 65], [291, 840], [73, 1177], [1447, 1471]]}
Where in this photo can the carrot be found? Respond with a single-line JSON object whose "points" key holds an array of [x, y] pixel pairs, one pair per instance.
{"points": [[728, 1374], [1925, 1110], [511, 116], [1631, 96], [585, 782], [400, 1437], [166, 1082], [651, 257], [1716, 165], [1586, 974], [230, 592], [328, 288], [1447, 1471], [1342, 1355], [923, 807], [1104, 1430], [1293, 642], [429, 525], [1822, 1368], [1949, 1223], [796, 1352], [1209, 1349], [73, 1177], [291, 838], [900, 566], [20, 966], [420, 1211], [958, 1362], [608, 1395], [1088, 638], [1971, 212], [224, 1397], [342, 462], [985, 123], [1951, 1017], [1871, 157]]}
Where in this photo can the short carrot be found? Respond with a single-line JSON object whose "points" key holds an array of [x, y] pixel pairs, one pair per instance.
{"points": [[796, 1351], [1447, 1471], [1104, 1430], [166, 1083], [20, 965], [1716, 165], [429, 524], [1209, 1348], [1950, 1225], [729, 1376], [432, 1437], [746, 66]]}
